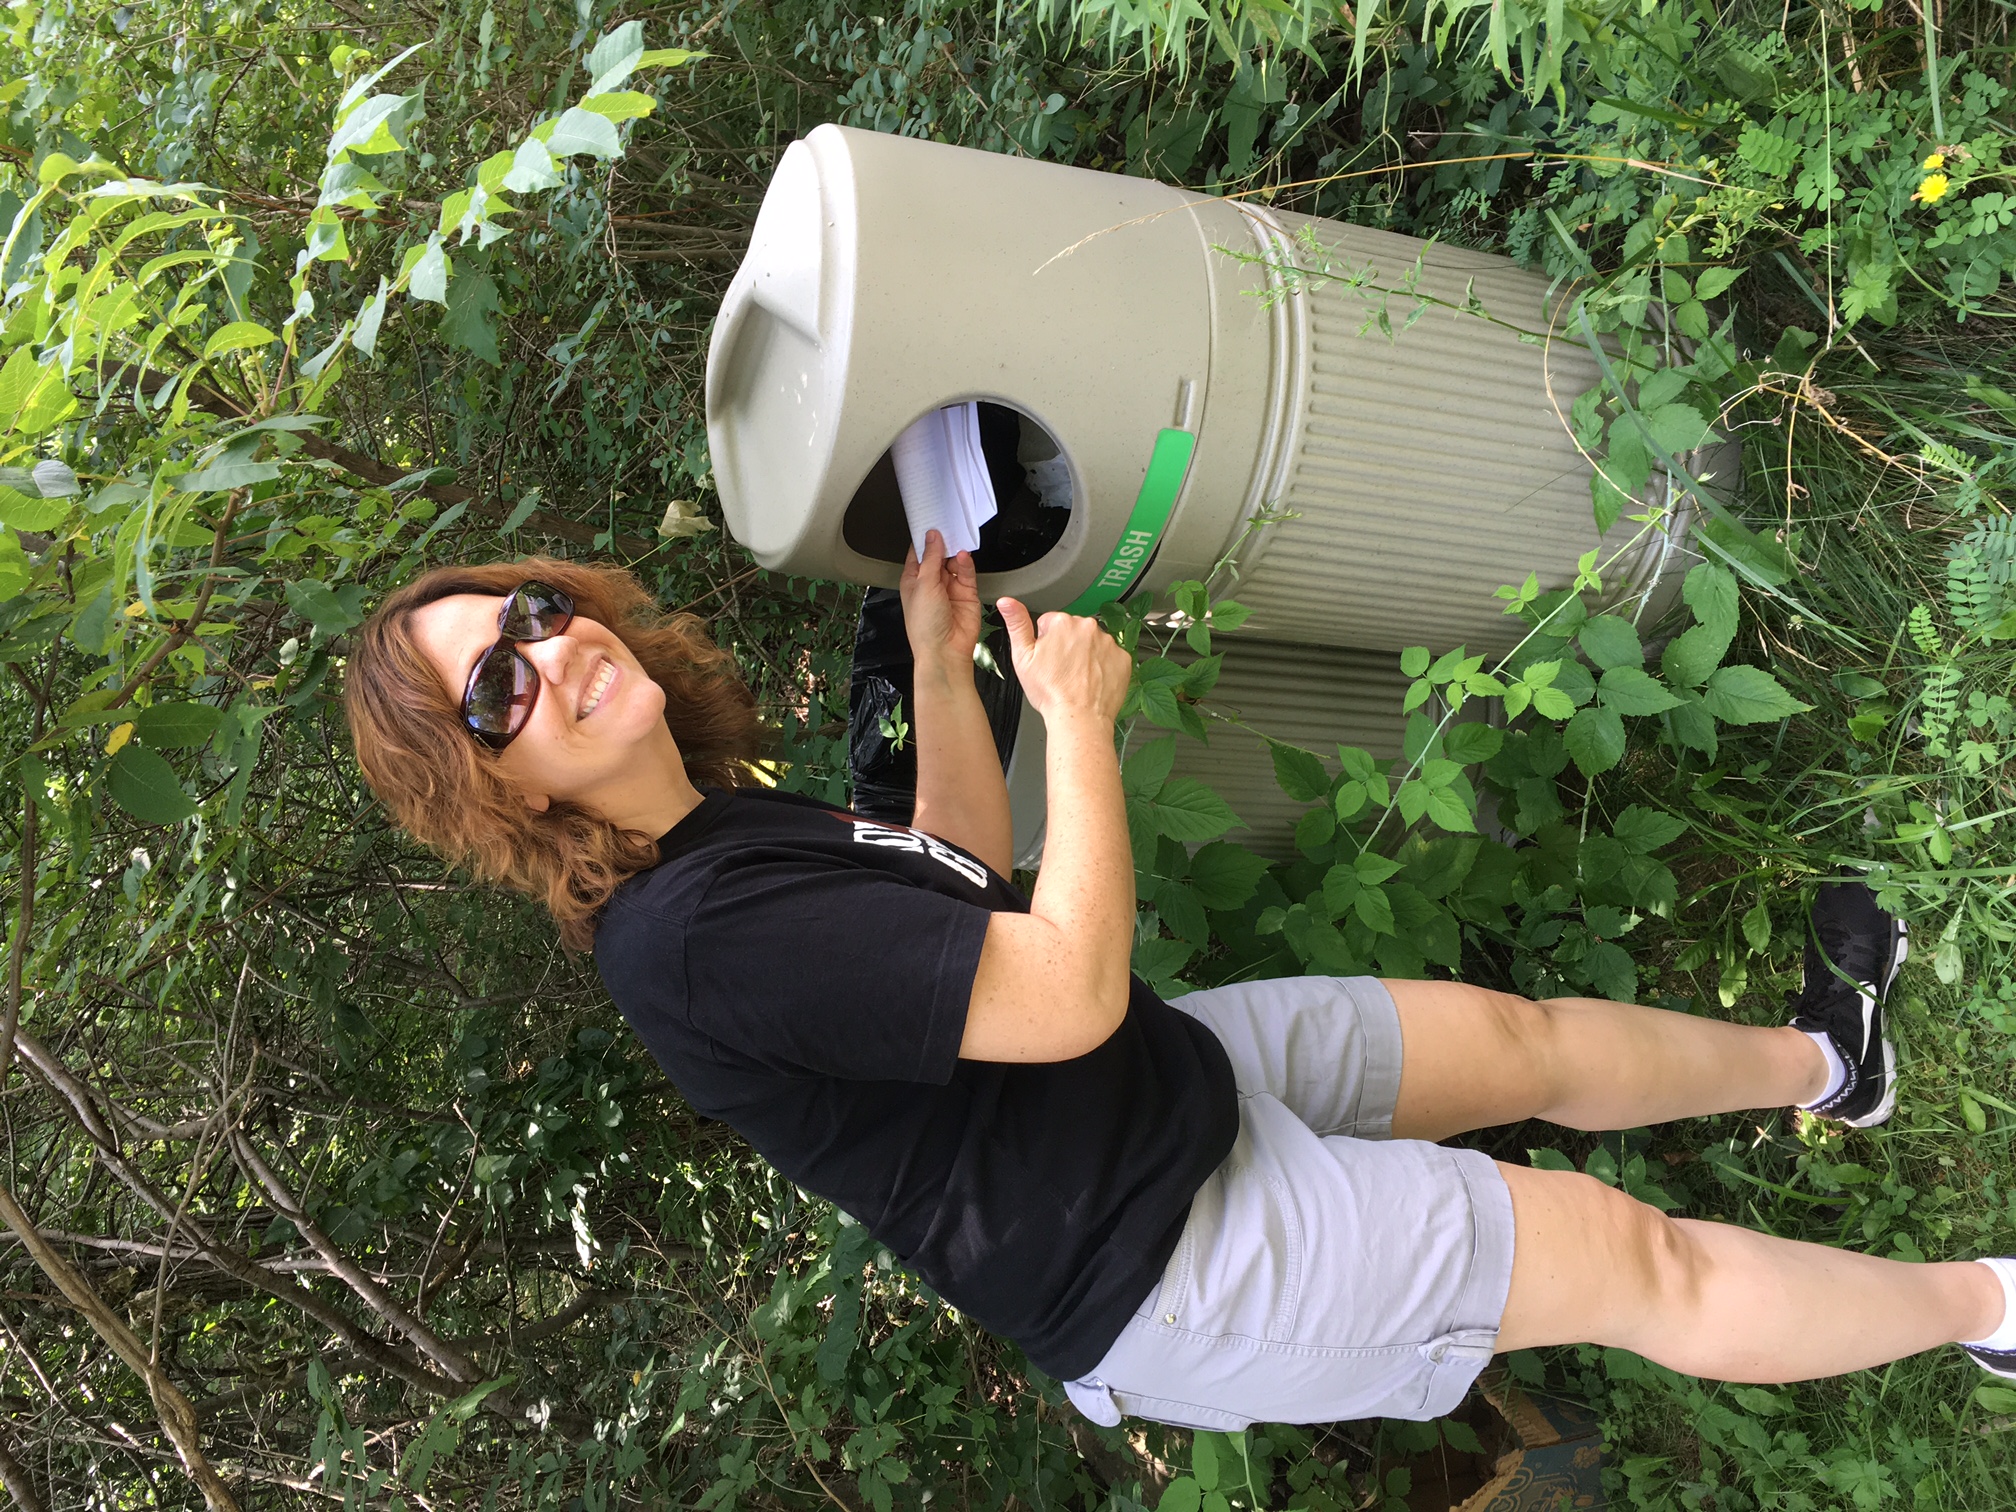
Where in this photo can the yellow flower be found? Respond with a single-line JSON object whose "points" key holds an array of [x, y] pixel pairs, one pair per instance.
{"points": [[1934, 163], [1933, 188], [118, 738]]}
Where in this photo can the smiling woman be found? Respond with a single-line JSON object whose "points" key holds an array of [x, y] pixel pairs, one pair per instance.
{"points": [[602, 679], [1222, 1210]]}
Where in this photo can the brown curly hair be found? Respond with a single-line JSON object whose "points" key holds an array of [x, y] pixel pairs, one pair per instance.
{"points": [[444, 789]]}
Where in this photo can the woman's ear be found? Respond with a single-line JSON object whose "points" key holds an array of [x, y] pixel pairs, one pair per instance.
{"points": [[538, 802]]}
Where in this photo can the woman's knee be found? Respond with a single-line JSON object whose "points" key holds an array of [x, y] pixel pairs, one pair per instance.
{"points": [[1591, 1263]]}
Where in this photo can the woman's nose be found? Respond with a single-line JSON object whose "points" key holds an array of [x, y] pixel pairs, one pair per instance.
{"points": [[553, 656]]}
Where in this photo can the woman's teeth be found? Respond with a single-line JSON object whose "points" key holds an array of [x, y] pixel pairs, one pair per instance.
{"points": [[597, 688]]}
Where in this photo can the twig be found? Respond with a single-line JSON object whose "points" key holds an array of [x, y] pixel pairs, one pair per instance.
{"points": [[187, 628], [457, 1365], [84, 1114], [14, 1476], [177, 1417], [24, 921]]}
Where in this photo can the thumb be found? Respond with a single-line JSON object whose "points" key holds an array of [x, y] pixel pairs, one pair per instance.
{"points": [[1021, 629]]}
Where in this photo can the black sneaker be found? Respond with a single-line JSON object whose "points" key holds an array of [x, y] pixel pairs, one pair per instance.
{"points": [[1853, 950], [2000, 1362]]}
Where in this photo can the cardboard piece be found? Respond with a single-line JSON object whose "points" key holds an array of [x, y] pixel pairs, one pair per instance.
{"points": [[1555, 1463]]}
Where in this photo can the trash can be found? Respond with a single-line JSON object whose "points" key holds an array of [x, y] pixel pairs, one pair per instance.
{"points": [[1142, 400]]}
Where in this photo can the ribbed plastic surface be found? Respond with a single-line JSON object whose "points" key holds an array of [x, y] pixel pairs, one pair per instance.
{"points": [[1316, 697], [1426, 470]]}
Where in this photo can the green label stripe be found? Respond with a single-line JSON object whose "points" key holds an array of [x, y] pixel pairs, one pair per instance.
{"points": [[1168, 466]]}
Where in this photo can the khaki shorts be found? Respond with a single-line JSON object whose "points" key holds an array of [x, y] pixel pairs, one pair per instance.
{"points": [[1328, 1271]]}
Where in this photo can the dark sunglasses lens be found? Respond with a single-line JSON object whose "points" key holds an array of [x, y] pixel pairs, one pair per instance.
{"points": [[535, 611], [500, 694]]}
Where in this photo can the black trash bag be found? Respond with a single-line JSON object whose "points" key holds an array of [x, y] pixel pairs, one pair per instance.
{"points": [[884, 775]]}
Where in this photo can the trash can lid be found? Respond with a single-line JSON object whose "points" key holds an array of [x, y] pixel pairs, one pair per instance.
{"points": [[888, 276]]}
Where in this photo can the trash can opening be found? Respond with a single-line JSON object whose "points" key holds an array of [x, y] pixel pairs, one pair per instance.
{"points": [[1032, 496]]}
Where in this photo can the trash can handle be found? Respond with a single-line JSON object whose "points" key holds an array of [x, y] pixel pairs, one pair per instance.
{"points": [[1168, 466]]}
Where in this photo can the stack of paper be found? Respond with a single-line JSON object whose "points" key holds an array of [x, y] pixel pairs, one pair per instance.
{"points": [[942, 474]]}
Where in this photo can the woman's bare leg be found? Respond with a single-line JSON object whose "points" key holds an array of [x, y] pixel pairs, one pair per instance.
{"points": [[1593, 1266], [1472, 1058]]}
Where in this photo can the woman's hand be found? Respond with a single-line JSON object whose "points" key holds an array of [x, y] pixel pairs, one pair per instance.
{"points": [[1067, 664], [941, 608]]}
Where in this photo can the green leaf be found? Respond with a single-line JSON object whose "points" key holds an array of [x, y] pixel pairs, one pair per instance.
{"points": [[1414, 660], [1374, 909], [622, 105], [1204, 1459], [1757, 927], [1711, 593], [1714, 280], [1693, 726], [1435, 868], [235, 336], [670, 57], [1611, 641], [1189, 811], [614, 55], [1182, 1494], [2000, 1399], [1202, 676], [1749, 695], [332, 612], [1472, 742], [367, 129], [174, 725], [1225, 875], [1631, 690], [1147, 767], [1693, 654], [364, 335], [430, 273], [146, 787], [1678, 428], [1183, 912], [466, 322], [532, 167], [1448, 810], [1300, 773], [1461, 1436], [1642, 830], [1157, 961], [583, 131], [1314, 830], [232, 470], [1595, 740], [1572, 680], [19, 512], [1159, 703]]}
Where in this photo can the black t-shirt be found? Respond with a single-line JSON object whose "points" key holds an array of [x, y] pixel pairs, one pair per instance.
{"points": [[803, 975]]}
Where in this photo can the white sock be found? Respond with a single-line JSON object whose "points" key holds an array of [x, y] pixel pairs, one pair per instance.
{"points": [[2003, 1340], [1837, 1069]]}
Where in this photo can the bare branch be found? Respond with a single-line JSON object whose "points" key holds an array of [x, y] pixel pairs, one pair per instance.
{"points": [[14, 1476], [177, 1417], [458, 1365], [77, 1098]]}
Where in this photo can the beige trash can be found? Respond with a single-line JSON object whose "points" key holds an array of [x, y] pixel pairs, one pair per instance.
{"points": [[1140, 404]]}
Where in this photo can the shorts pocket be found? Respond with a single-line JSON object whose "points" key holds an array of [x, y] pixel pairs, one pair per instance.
{"points": [[1243, 1254]]}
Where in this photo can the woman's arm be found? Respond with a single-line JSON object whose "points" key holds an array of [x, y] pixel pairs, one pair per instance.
{"points": [[961, 795], [1053, 983]]}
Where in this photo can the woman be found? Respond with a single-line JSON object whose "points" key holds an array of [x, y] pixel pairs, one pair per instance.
{"points": [[1209, 1213]]}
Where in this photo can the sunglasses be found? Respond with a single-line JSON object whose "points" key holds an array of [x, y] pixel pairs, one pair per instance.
{"points": [[504, 687]]}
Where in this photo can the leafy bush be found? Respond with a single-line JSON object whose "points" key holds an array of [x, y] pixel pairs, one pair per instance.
{"points": [[341, 1151]]}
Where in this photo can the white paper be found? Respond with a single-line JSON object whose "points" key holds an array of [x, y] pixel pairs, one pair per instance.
{"points": [[941, 472]]}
